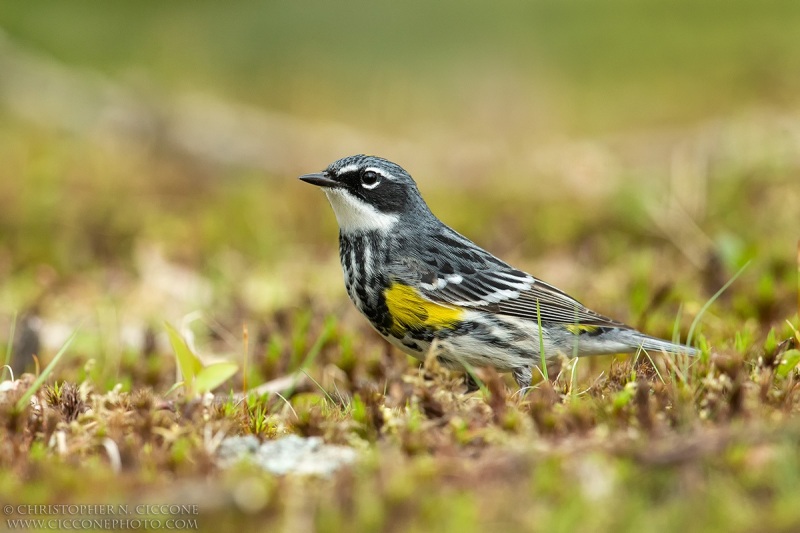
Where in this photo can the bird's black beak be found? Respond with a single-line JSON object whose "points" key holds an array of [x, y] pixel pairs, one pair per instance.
{"points": [[320, 179]]}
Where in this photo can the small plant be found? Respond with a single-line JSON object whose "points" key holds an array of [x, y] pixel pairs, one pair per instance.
{"points": [[25, 398], [257, 415], [55, 392], [791, 358], [197, 379]]}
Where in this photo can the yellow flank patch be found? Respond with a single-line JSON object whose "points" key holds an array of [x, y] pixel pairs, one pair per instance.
{"points": [[409, 310], [577, 329]]}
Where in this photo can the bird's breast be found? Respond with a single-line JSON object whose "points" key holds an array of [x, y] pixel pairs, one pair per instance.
{"points": [[364, 259]]}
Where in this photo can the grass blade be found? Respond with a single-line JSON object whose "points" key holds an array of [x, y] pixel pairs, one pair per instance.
{"points": [[676, 327], [9, 347], [246, 349], [541, 341], [470, 370], [188, 362], [213, 375], [711, 300], [328, 330], [45, 373]]}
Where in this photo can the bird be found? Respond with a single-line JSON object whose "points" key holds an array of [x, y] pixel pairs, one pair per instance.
{"points": [[426, 288]]}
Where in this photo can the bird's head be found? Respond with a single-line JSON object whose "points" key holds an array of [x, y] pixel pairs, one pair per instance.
{"points": [[369, 193]]}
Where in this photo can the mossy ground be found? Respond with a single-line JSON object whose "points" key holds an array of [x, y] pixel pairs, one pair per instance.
{"points": [[617, 443]]}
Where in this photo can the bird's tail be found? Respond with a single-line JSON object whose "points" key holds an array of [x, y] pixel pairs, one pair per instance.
{"points": [[653, 344], [619, 340]]}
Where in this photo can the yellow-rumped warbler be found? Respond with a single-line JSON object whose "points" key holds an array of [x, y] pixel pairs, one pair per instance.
{"points": [[418, 281]]}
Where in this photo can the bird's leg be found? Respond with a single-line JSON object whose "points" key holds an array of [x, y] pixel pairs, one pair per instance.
{"points": [[554, 367], [522, 375], [472, 385]]}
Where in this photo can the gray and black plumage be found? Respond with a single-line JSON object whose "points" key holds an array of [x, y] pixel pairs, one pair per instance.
{"points": [[423, 286]]}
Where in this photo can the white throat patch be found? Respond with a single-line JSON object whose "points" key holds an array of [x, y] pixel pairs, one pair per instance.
{"points": [[354, 215]]}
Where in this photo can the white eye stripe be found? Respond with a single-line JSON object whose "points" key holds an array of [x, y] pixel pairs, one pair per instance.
{"points": [[344, 170]]}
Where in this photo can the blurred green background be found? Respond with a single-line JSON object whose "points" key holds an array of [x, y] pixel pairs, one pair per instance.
{"points": [[544, 67]]}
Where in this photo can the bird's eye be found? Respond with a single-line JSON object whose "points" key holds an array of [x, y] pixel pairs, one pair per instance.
{"points": [[370, 179]]}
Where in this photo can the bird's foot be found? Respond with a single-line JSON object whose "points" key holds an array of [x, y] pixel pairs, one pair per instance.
{"points": [[470, 382], [522, 376]]}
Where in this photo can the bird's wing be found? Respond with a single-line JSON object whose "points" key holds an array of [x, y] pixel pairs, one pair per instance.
{"points": [[454, 271]]}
